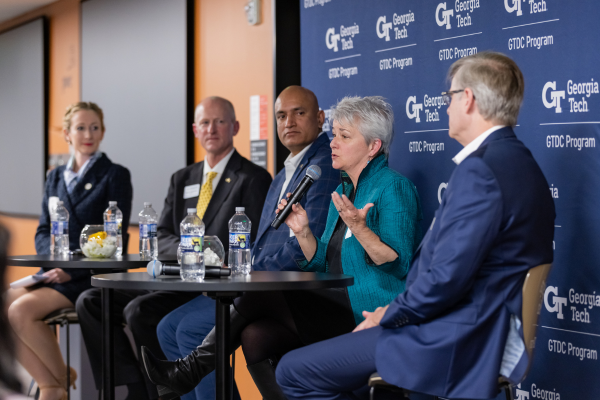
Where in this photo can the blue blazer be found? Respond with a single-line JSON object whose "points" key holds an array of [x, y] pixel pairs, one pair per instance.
{"points": [[275, 250], [445, 335], [85, 204]]}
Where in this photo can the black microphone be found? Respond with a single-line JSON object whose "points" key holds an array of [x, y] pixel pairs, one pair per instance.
{"points": [[312, 174], [156, 268]]}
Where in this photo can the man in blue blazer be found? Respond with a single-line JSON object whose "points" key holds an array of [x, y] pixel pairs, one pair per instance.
{"points": [[448, 333]]}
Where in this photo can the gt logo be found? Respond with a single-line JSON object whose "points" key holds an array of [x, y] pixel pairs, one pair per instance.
{"points": [[331, 39], [383, 29], [515, 7], [445, 15], [558, 302], [412, 108], [555, 95]]}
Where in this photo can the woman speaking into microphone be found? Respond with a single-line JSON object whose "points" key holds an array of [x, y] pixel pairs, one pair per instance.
{"points": [[371, 233]]}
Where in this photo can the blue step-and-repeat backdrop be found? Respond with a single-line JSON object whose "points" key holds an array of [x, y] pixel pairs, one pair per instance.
{"points": [[402, 49]]}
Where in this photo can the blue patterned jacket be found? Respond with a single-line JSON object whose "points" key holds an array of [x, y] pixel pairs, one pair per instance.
{"points": [[275, 250]]}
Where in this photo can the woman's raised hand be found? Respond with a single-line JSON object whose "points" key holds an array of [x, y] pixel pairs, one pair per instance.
{"points": [[354, 218], [297, 220]]}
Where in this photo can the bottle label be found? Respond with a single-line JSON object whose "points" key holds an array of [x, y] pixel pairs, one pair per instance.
{"points": [[191, 243], [59, 228], [148, 231], [111, 227], [239, 240]]}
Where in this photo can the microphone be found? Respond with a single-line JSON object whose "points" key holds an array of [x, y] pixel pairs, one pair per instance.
{"points": [[156, 268], [312, 174]]}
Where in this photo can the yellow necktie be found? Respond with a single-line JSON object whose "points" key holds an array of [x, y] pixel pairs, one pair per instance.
{"points": [[205, 194]]}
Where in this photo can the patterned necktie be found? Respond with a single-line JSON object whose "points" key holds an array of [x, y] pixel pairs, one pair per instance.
{"points": [[205, 194]]}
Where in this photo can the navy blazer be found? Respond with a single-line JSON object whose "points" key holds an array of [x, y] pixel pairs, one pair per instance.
{"points": [[103, 182], [275, 250], [243, 184], [449, 328]]}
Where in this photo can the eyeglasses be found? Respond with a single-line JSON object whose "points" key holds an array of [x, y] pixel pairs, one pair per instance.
{"points": [[447, 96]]}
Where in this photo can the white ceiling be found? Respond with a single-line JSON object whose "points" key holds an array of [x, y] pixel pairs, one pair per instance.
{"points": [[13, 8]]}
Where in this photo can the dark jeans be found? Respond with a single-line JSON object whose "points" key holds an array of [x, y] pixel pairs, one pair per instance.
{"points": [[141, 310]]}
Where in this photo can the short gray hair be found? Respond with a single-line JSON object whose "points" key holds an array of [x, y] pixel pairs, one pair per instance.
{"points": [[497, 84], [371, 115], [224, 101]]}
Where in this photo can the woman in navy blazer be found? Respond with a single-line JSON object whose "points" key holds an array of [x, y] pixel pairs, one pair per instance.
{"points": [[85, 185]]}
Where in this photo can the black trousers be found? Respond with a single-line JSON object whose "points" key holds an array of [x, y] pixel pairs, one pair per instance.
{"points": [[141, 311]]}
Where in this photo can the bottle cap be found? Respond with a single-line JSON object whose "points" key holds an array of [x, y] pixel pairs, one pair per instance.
{"points": [[240, 209], [112, 203], [60, 203], [192, 210], [147, 204]]}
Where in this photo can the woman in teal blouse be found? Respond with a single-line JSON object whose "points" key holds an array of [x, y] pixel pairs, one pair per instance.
{"points": [[371, 233], [376, 225]]}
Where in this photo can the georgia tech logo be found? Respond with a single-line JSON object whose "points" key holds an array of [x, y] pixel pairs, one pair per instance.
{"points": [[521, 394], [331, 39], [555, 96], [558, 302], [413, 109], [445, 15], [515, 7], [383, 28]]}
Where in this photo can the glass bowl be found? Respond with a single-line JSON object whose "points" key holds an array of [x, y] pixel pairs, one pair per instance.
{"points": [[96, 243], [214, 252]]}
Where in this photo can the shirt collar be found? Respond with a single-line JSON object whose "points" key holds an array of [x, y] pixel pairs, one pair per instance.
{"points": [[474, 145], [220, 167], [293, 162], [70, 174]]}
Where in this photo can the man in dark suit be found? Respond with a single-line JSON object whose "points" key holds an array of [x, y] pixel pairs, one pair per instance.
{"points": [[215, 186], [448, 333]]}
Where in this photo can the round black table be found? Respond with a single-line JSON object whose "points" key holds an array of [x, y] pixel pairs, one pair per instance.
{"points": [[128, 261], [223, 290]]}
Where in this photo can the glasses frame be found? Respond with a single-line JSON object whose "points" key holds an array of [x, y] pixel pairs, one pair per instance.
{"points": [[447, 96]]}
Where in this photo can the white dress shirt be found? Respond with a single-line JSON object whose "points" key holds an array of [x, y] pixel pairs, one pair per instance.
{"points": [[474, 145], [219, 169]]}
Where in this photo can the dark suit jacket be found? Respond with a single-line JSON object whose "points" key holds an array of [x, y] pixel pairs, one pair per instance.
{"points": [[85, 206], [275, 250], [243, 184], [446, 333]]}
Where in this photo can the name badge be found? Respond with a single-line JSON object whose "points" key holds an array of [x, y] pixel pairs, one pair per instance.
{"points": [[348, 233], [191, 191]]}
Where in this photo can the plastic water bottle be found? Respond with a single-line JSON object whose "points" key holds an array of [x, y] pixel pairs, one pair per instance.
{"points": [[239, 243], [113, 222], [192, 240], [148, 239], [59, 231]]}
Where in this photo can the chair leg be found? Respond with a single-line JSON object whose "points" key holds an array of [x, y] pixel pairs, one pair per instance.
{"points": [[68, 362], [372, 393], [508, 393]]}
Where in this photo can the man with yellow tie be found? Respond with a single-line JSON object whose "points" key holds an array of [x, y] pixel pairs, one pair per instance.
{"points": [[215, 186]]}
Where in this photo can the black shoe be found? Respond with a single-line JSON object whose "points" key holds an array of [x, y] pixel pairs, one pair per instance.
{"points": [[175, 378], [263, 375]]}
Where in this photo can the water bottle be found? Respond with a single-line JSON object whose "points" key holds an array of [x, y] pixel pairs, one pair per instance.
{"points": [[148, 239], [59, 231], [192, 255], [113, 222], [239, 243]]}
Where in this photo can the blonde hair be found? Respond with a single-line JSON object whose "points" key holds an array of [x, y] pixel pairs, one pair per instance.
{"points": [[497, 84], [82, 105]]}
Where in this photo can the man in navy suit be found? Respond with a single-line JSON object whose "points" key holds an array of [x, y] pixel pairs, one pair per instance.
{"points": [[448, 333]]}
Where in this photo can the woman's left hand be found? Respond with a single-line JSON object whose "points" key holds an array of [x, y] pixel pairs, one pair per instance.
{"points": [[56, 275], [354, 218]]}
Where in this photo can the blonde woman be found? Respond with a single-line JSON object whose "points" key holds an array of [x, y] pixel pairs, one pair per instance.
{"points": [[86, 184]]}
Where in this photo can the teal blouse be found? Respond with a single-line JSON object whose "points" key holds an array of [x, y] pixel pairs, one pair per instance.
{"points": [[394, 218]]}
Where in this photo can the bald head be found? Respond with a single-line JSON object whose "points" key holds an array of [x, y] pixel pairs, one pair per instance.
{"points": [[299, 120], [226, 104]]}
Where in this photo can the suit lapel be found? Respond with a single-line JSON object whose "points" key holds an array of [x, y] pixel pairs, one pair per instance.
{"points": [[195, 178], [90, 181], [221, 192], [304, 163], [270, 204]]}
